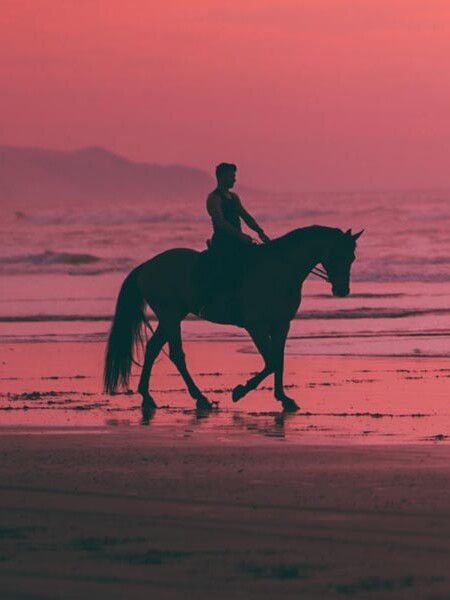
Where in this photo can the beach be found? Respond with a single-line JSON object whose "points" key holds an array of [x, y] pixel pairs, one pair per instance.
{"points": [[347, 498]]}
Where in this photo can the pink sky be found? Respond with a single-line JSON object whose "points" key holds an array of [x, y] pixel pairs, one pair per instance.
{"points": [[302, 94]]}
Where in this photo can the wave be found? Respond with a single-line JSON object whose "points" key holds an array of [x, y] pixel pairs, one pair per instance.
{"points": [[385, 270], [53, 318], [116, 217], [419, 260], [51, 258], [346, 314], [62, 262], [372, 313], [74, 263], [402, 273], [366, 296], [179, 214], [432, 216]]}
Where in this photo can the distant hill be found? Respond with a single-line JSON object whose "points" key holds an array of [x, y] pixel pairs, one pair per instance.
{"points": [[36, 177]]}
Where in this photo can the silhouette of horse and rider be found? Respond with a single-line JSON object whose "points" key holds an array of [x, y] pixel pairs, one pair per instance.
{"points": [[235, 281]]}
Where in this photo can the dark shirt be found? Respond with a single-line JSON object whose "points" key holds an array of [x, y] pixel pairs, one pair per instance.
{"points": [[230, 209]]}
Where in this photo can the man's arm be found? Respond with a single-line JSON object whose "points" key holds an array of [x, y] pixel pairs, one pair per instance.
{"points": [[252, 224], [213, 205]]}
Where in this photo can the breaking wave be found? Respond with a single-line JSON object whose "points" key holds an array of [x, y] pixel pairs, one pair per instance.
{"points": [[102, 217], [62, 262], [179, 214], [359, 313], [81, 263]]}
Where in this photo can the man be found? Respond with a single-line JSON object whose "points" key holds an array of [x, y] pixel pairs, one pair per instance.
{"points": [[228, 243], [226, 211]]}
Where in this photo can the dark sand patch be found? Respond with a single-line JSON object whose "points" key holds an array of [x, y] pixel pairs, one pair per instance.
{"points": [[375, 584], [129, 517]]}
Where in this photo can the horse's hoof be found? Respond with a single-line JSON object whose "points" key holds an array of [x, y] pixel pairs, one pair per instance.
{"points": [[204, 404], [289, 405], [147, 415], [148, 409], [148, 403], [238, 393]]}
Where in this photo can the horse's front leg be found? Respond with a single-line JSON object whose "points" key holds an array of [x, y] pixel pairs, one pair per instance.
{"points": [[261, 338], [279, 332]]}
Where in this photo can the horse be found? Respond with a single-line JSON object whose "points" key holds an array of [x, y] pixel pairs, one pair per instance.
{"points": [[269, 292]]}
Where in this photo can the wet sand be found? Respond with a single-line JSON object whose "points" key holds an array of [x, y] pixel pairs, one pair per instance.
{"points": [[359, 400], [349, 498]]}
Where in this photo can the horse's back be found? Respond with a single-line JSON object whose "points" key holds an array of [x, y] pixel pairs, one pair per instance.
{"points": [[172, 257]]}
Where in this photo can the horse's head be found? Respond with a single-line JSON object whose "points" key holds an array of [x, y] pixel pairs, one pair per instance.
{"points": [[337, 260]]}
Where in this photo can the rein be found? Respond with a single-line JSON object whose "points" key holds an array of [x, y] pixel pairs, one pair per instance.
{"points": [[318, 272]]}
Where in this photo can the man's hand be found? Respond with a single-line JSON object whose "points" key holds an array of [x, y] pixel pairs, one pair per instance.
{"points": [[247, 239], [263, 237]]}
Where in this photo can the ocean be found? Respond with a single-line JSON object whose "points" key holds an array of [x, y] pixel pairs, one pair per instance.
{"points": [[61, 269]]}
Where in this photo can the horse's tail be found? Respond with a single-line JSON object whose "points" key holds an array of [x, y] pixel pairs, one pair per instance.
{"points": [[125, 333]]}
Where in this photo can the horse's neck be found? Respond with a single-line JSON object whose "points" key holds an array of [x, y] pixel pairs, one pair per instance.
{"points": [[301, 251]]}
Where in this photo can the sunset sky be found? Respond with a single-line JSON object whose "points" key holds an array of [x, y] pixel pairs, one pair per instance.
{"points": [[302, 94]]}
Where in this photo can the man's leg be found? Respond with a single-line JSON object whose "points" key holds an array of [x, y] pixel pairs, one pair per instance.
{"points": [[221, 301]]}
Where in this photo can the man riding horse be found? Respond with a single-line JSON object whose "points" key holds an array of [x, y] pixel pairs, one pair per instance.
{"points": [[228, 243], [270, 280]]}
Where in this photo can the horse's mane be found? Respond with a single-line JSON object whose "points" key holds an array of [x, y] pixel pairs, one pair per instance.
{"points": [[302, 235]]}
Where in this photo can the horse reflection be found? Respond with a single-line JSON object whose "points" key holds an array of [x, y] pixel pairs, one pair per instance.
{"points": [[268, 425], [198, 417]]}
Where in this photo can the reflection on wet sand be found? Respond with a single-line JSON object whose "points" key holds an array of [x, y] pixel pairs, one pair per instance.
{"points": [[272, 426], [187, 419], [227, 425], [344, 400]]}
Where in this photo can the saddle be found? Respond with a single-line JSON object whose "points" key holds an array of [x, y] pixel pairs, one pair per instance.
{"points": [[217, 277]]}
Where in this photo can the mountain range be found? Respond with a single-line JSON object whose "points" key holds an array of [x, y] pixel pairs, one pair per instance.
{"points": [[36, 176]]}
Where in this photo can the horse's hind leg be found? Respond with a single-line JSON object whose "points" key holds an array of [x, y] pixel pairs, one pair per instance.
{"points": [[261, 338], [153, 348], [177, 356]]}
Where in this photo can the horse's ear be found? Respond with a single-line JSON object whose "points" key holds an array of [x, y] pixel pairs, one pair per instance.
{"points": [[348, 233], [357, 235]]}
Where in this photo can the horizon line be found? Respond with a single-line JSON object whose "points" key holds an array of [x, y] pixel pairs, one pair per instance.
{"points": [[247, 187]]}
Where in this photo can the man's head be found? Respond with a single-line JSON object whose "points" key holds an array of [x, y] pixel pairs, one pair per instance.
{"points": [[226, 175]]}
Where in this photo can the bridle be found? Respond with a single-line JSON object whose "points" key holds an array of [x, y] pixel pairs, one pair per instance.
{"points": [[317, 271]]}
